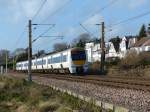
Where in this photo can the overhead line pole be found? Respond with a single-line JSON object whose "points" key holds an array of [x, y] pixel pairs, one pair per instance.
{"points": [[6, 61], [102, 46], [102, 43], [30, 52]]}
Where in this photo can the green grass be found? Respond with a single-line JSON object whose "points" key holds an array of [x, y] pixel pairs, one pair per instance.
{"points": [[21, 96]]}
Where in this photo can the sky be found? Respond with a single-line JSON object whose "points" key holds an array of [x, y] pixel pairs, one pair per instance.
{"points": [[67, 16]]}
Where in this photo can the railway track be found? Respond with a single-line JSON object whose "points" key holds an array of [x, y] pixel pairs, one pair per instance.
{"points": [[143, 85]]}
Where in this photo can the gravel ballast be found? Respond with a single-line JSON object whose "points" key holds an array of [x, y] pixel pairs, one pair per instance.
{"points": [[136, 100]]}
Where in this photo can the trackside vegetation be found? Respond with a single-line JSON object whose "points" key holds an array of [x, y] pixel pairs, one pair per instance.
{"points": [[22, 96]]}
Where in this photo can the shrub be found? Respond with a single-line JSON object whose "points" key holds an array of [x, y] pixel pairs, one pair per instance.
{"points": [[94, 67], [48, 107], [145, 58], [134, 60], [112, 61]]}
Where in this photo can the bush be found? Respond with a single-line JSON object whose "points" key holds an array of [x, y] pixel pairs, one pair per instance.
{"points": [[145, 58], [134, 60], [112, 61], [94, 67]]}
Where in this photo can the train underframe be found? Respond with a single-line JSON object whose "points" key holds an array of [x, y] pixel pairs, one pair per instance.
{"points": [[79, 70]]}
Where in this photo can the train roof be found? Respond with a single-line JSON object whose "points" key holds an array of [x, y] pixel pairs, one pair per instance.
{"points": [[55, 52]]}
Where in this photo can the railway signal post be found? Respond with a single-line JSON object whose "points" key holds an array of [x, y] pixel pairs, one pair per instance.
{"points": [[30, 51]]}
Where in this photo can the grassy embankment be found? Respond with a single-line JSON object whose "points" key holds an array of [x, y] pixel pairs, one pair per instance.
{"points": [[20, 96]]}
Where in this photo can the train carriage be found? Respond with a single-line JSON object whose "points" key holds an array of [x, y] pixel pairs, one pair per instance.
{"points": [[67, 61], [34, 65]]}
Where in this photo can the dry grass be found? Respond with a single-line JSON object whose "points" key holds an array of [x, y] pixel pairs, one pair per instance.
{"points": [[21, 96], [134, 60], [133, 65]]}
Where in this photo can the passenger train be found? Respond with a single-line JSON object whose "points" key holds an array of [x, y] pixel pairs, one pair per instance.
{"points": [[68, 61]]}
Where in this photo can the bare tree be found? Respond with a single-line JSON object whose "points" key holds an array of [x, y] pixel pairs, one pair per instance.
{"points": [[81, 40], [60, 46], [18, 51], [40, 53], [3, 54]]}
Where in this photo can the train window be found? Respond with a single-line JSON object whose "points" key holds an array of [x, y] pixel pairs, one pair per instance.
{"points": [[49, 61], [56, 59], [78, 55], [39, 62], [64, 58], [44, 62], [26, 64], [19, 65]]}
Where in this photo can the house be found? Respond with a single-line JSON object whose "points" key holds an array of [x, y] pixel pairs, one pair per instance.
{"points": [[142, 45], [126, 43], [93, 51], [88, 48], [111, 51]]}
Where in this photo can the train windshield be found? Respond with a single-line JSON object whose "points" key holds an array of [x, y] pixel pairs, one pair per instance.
{"points": [[78, 55]]}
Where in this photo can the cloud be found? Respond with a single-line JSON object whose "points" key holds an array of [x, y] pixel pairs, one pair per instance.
{"points": [[30, 7], [26, 9], [94, 19], [133, 4]]}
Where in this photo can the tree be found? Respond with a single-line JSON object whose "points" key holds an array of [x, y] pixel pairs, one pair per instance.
{"points": [[81, 40], [23, 56], [142, 32], [40, 53], [18, 51], [60, 46], [116, 42], [3, 54]]}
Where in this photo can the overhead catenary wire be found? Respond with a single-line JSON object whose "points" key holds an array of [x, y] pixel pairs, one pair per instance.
{"points": [[43, 33], [102, 9], [36, 14], [98, 11], [53, 39], [56, 11], [20, 37], [131, 18], [38, 11], [48, 17], [87, 30]]}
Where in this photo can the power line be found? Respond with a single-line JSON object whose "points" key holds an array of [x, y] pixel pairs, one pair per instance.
{"points": [[103, 8], [131, 18], [87, 30], [98, 11], [20, 37], [38, 11], [43, 33], [36, 14], [54, 39], [60, 8]]}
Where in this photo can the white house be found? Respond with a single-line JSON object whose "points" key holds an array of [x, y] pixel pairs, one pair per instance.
{"points": [[94, 51], [126, 43], [142, 45], [89, 51], [111, 51]]}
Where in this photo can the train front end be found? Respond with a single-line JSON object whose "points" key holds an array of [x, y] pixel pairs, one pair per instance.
{"points": [[78, 59]]}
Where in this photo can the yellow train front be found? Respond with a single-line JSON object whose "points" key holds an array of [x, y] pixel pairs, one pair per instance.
{"points": [[78, 59]]}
